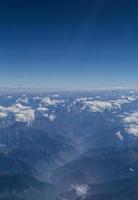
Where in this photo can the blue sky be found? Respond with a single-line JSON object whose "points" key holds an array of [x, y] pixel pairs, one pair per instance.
{"points": [[69, 44]]}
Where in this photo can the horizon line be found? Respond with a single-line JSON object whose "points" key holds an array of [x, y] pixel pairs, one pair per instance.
{"points": [[44, 89]]}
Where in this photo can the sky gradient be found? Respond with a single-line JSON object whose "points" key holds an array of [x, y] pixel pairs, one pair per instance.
{"points": [[69, 43]]}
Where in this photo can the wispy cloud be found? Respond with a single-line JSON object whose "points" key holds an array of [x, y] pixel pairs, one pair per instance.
{"points": [[81, 190], [131, 123]]}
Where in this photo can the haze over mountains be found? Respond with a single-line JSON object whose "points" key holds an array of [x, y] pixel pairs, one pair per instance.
{"points": [[69, 145]]}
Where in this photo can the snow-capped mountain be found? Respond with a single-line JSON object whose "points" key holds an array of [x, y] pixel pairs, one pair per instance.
{"points": [[71, 142]]}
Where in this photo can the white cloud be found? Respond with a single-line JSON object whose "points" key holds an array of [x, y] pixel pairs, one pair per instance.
{"points": [[131, 170], [25, 116], [97, 106], [123, 100], [21, 113], [22, 99], [131, 124], [51, 102], [81, 190], [132, 98], [42, 109], [132, 118], [91, 105], [117, 104], [119, 136], [55, 95], [3, 114], [45, 113], [51, 117], [17, 108], [133, 129], [132, 92], [98, 97], [25, 113], [3, 109], [9, 97], [36, 98]]}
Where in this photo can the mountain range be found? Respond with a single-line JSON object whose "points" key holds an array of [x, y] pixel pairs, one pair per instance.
{"points": [[69, 145]]}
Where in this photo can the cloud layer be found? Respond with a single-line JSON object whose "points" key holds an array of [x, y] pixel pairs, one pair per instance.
{"points": [[131, 124]]}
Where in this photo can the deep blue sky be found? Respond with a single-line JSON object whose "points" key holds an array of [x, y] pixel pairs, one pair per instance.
{"points": [[68, 43]]}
